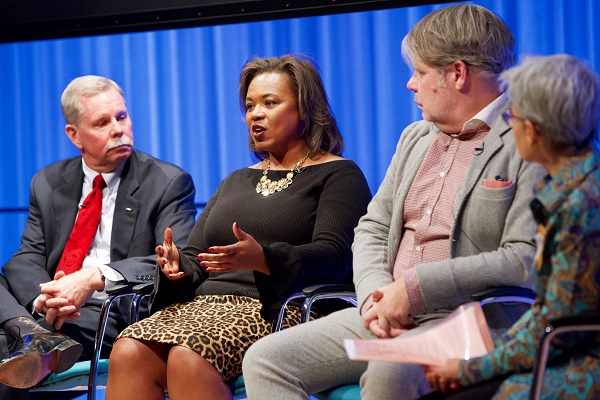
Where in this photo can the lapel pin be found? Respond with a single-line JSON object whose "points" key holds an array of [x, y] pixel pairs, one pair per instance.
{"points": [[128, 209]]}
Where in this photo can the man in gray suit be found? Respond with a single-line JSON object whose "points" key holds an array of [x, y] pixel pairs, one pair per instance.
{"points": [[450, 218], [143, 196]]}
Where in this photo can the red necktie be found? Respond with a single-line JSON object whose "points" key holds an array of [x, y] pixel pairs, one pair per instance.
{"points": [[84, 229]]}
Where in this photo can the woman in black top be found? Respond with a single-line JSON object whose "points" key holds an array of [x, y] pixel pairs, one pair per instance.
{"points": [[268, 231]]}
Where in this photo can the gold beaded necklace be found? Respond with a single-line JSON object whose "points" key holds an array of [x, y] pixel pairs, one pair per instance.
{"points": [[266, 187]]}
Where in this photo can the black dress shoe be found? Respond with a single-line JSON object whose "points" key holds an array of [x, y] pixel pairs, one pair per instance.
{"points": [[37, 356]]}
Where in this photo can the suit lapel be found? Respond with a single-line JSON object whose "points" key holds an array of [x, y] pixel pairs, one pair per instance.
{"points": [[126, 210], [66, 201]]}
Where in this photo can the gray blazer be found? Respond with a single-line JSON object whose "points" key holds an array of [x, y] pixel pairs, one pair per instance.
{"points": [[152, 195], [491, 237]]}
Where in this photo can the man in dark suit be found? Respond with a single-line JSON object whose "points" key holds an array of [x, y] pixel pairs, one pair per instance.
{"points": [[142, 197]]}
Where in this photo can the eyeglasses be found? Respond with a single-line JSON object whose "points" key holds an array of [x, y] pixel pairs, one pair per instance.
{"points": [[510, 119]]}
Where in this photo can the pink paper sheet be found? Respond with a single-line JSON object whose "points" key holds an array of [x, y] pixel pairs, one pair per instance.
{"points": [[464, 334]]}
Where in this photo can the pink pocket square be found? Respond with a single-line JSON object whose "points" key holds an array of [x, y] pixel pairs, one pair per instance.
{"points": [[496, 183]]}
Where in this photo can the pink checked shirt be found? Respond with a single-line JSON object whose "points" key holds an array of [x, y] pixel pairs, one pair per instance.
{"points": [[429, 204]]}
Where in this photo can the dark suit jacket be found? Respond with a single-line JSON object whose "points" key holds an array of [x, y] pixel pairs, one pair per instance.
{"points": [[152, 195]]}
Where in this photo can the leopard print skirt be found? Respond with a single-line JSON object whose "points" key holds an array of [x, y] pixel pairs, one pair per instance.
{"points": [[219, 328]]}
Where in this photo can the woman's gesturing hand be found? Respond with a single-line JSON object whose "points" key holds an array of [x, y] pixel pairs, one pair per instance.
{"points": [[246, 254], [168, 257]]}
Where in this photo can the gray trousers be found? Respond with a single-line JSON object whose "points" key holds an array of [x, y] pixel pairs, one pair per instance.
{"points": [[310, 358]]}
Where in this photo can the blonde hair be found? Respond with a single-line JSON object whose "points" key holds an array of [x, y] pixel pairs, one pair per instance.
{"points": [[466, 32]]}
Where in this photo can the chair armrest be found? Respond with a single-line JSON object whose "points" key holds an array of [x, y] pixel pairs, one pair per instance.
{"points": [[120, 289], [310, 294], [584, 319], [502, 294], [315, 293], [143, 288], [503, 291], [314, 290], [141, 291]]}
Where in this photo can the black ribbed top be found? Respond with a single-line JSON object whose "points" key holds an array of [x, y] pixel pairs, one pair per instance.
{"points": [[306, 232]]}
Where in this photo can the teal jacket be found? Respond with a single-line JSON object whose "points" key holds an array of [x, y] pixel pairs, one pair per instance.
{"points": [[566, 281]]}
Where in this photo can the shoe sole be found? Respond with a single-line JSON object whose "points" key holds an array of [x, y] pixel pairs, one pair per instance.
{"points": [[24, 372], [28, 370]]}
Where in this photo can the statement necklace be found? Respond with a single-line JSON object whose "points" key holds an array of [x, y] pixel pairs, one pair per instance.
{"points": [[266, 186]]}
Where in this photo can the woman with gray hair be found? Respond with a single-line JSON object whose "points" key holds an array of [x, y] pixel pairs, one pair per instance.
{"points": [[554, 115]]}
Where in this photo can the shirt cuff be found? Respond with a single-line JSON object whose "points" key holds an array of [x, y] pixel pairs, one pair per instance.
{"points": [[413, 290], [33, 305], [112, 277], [366, 305]]}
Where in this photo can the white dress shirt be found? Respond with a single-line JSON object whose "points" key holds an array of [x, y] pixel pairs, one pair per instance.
{"points": [[99, 253]]}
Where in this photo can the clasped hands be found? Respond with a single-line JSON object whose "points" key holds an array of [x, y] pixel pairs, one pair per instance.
{"points": [[389, 314], [61, 298], [389, 317], [246, 254]]}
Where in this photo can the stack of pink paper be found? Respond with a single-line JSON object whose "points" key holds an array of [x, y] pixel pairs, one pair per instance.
{"points": [[463, 334]]}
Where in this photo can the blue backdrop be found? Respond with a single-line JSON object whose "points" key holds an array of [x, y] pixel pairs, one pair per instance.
{"points": [[181, 87]]}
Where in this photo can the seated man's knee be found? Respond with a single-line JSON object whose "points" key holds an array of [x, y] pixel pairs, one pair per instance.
{"points": [[384, 380], [254, 359]]}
